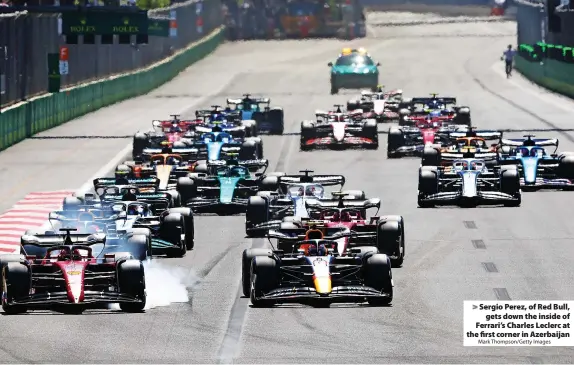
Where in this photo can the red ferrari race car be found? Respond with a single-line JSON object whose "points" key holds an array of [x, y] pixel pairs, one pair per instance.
{"points": [[380, 105], [68, 277], [338, 129], [171, 131], [411, 140]]}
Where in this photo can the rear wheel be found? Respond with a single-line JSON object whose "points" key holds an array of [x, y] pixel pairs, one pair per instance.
{"points": [[257, 212], [390, 240], [171, 229], [428, 185], [395, 141], [188, 224], [510, 184], [139, 246]]}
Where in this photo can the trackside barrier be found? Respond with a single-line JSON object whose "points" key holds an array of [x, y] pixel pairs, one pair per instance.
{"points": [[48, 111]]}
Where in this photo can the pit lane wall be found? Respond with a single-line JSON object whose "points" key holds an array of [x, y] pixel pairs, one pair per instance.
{"points": [[546, 41], [38, 114]]}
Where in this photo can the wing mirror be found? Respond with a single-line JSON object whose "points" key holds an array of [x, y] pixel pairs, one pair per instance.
{"points": [[156, 124], [330, 64], [378, 64]]}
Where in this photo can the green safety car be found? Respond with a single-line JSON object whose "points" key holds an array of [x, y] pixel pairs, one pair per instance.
{"points": [[354, 69]]}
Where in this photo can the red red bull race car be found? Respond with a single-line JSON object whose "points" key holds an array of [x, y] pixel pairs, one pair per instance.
{"points": [[339, 129]]}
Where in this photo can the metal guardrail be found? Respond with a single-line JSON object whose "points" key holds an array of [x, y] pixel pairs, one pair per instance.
{"points": [[26, 39]]}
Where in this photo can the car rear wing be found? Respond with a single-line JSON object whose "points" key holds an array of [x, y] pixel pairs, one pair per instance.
{"points": [[324, 204], [427, 100], [184, 152], [155, 199], [104, 182], [50, 240], [298, 234], [518, 142], [325, 180], [231, 101], [483, 133]]}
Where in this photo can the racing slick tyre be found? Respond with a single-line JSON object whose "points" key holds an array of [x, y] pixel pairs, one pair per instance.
{"points": [[269, 183], [249, 150], [431, 157], [201, 168], [566, 166], [264, 278], [355, 194], [463, 116], [395, 141], [250, 128], [131, 281], [139, 245], [71, 203], [390, 239], [188, 225], [307, 133], [277, 119], [353, 105], [171, 229], [334, 88], [370, 131], [428, 185], [510, 184], [186, 188], [257, 212], [403, 117], [175, 198], [141, 142], [378, 275], [16, 282], [248, 256]]}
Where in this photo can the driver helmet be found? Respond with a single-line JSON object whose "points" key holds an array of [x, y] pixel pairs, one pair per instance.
{"points": [[135, 209], [314, 234], [434, 114], [171, 160], [345, 217], [175, 128], [317, 251], [336, 217], [301, 191], [64, 255]]}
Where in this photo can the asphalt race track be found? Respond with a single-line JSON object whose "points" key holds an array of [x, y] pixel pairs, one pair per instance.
{"points": [[453, 254]]}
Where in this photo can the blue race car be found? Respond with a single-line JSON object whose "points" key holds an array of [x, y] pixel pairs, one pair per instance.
{"points": [[223, 188], [221, 146], [268, 119], [226, 120], [538, 169], [444, 109]]}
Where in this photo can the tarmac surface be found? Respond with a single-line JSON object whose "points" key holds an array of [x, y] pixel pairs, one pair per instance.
{"points": [[453, 254]]}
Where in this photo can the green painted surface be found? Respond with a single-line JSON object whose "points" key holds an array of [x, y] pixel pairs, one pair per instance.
{"points": [[51, 110], [554, 75]]}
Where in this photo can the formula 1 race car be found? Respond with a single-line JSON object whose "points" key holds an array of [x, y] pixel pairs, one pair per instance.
{"points": [[383, 106], [163, 168], [339, 130], [314, 273], [445, 109], [471, 143], [65, 274], [225, 120], [168, 231], [222, 146], [224, 188], [111, 189], [288, 199], [171, 131], [538, 169], [468, 183], [268, 119]]}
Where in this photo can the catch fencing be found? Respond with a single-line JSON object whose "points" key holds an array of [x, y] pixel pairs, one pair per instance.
{"points": [[26, 39]]}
